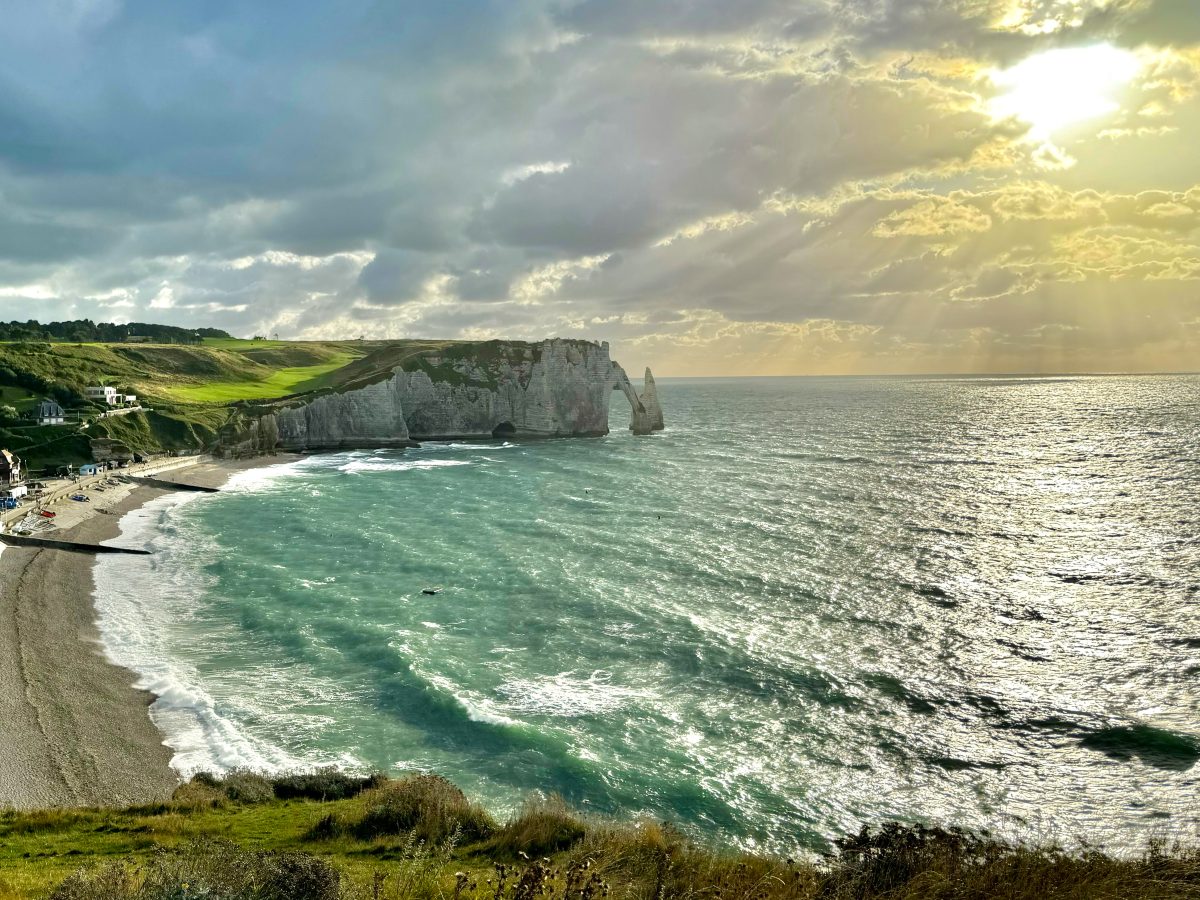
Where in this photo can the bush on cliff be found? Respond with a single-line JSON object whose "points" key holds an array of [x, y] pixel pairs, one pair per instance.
{"points": [[208, 870], [247, 786], [544, 825], [324, 784], [427, 806]]}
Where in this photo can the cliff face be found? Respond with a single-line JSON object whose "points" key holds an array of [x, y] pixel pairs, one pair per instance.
{"points": [[555, 388], [371, 416]]}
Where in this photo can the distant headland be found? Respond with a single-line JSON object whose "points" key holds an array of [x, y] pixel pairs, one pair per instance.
{"points": [[77, 393]]}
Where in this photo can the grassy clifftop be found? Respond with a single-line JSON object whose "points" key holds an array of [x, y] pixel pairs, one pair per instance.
{"points": [[187, 388], [216, 371], [329, 836]]}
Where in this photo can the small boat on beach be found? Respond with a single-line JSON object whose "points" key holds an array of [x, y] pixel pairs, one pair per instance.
{"points": [[80, 498], [46, 514]]}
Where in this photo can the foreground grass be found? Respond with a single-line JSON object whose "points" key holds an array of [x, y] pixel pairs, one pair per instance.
{"points": [[327, 836]]}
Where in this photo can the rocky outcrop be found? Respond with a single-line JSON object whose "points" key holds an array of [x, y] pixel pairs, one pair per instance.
{"points": [[248, 436], [649, 398], [492, 389], [647, 414]]}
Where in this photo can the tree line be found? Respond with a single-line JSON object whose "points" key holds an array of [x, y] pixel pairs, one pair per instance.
{"points": [[85, 330]]}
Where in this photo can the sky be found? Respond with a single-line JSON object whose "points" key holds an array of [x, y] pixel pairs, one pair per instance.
{"points": [[741, 188]]}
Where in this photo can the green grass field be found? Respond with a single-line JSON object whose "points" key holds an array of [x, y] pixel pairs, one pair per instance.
{"points": [[239, 344], [290, 380]]}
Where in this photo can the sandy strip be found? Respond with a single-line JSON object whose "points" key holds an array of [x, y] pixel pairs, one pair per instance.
{"points": [[73, 730]]}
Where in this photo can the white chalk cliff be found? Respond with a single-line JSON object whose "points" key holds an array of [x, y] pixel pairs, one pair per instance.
{"points": [[497, 388]]}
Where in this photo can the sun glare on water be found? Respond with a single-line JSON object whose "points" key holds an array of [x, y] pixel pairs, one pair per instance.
{"points": [[1060, 88]]}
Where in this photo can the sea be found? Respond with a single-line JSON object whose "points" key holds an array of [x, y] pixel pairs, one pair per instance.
{"points": [[810, 604]]}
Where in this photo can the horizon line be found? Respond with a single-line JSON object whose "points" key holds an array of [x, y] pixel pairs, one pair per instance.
{"points": [[1114, 374]]}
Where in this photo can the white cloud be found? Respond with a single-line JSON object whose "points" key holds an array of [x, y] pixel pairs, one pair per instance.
{"points": [[520, 173], [164, 299]]}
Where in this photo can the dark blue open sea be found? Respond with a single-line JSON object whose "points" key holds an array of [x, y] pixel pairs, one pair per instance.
{"points": [[811, 603]]}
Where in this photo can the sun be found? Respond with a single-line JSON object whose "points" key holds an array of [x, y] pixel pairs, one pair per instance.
{"points": [[1057, 89]]}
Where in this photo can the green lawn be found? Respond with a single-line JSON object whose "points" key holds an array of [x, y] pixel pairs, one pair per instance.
{"points": [[240, 344], [286, 381]]}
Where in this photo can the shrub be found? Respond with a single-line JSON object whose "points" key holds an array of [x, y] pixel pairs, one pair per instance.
{"points": [[428, 806], [323, 784], [328, 827], [208, 779], [208, 869], [874, 862], [199, 793], [244, 786], [544, 825]]}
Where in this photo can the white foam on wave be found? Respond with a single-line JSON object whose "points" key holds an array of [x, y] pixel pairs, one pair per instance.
{"points": [[359, 466], [140, 602], [458, 445], [569, 694], [262, 478], [478, 709]]}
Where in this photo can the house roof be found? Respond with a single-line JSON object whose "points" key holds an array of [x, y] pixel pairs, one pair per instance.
{"points": [[8, 460]]}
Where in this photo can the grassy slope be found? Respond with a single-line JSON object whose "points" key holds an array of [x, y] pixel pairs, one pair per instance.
{"points": [[188, 387], [158, 372], [19, 398], [420, 837], [47, 447], [280, 383]]}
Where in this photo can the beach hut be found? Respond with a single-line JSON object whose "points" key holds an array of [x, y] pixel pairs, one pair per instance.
{"points": [[10, 469], [89, 469]]}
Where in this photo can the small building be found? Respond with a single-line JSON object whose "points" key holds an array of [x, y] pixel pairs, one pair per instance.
{"points": [[131, 400], [12, 497], [49, 413], [90, 469], [137, 339], [104, 394], [10, 469]]}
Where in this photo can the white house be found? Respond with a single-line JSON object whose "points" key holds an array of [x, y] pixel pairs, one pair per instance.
{"points": [[104, 394], [131, 400], [50, 413]]}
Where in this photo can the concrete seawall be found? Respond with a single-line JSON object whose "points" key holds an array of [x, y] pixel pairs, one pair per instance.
{"points": [[20, 540]]}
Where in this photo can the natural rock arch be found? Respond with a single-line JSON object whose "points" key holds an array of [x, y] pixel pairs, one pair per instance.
{"points": [[647, 413]]}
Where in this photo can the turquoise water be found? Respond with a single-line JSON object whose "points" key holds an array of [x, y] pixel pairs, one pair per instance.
{"points": [[810, 604]]}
